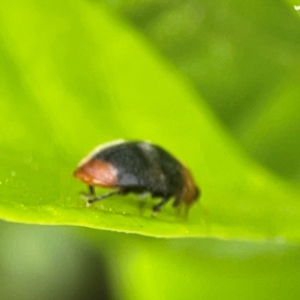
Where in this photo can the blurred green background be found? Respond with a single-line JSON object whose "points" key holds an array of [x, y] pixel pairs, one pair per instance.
{"points": [[214, 82]]}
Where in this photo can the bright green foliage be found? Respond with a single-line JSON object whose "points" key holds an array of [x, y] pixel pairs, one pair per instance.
{"points": [[74, 76], [199, 268], [244, 58]]}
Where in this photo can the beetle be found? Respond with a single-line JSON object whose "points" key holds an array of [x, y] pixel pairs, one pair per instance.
{"points": [[137, 167]]}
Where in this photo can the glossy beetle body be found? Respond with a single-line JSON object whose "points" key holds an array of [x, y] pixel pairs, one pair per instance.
{"points": [[137, 167]]}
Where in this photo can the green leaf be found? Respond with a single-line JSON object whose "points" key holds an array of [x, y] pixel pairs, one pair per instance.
{"points": [[243, 58], [74, 76], [208, 269], [272, 133], [239, 50]]}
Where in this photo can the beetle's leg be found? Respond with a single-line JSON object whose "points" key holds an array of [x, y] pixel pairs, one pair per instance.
{"points": [[178, 198], [177, 202], [156, 208], [123, 191], [143, 201], [92, 198], [92, 190], [89, 194], [143, 195]]}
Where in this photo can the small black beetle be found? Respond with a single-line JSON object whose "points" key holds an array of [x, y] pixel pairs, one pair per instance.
{"points": [[137, 167]]}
